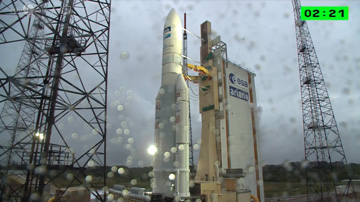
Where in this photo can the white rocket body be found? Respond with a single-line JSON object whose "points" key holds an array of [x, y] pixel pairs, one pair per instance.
{"points": [[172, 117]]}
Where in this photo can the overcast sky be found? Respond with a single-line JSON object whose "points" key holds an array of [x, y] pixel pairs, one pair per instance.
{"points": [[261, 37]]}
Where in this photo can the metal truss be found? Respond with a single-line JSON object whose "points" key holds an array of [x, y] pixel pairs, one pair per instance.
{"points": [[322, 142], [185, 72], [53, 121]]}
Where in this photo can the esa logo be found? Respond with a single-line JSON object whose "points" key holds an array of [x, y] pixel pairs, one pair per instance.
{"points": [[238, 81]]}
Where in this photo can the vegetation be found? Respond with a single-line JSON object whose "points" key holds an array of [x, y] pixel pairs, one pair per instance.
{"points": [[289, 178], [296, 172], [286, 179]]}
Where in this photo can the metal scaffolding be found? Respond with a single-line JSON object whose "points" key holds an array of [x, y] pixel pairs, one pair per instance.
{"points": [[53, 121], [322, 142], [185, 72]]}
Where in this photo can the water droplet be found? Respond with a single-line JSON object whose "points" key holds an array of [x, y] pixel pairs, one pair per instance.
{"points": [[61, 126], [132, 124], [172, 176], [131, 140], [172, 119], [127, 132], [287, 165], [125, 192], [167, 154], [161, 125], [346, 91], [141, 163], [196, 147], [34, 196], [181, 147], [133, 182], [88, 178], [119, 131], [74, 136], [123, 124], [95, 131], [304, 164], [114, 169], [110, 174], [173, 149], [92, 151], [28, 7], [69, 176], [286, 15], [110, 197], [153, 185], [162, 91], [120, 108], [121, 171], [113, 140], [124, 55], [71, 119], [91, 163], [262, 58]]}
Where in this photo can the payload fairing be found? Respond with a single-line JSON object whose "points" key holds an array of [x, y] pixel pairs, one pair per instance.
{"points": [[171, 163]]}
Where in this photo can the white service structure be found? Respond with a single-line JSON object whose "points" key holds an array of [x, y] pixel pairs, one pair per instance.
{"points": [[230, 150], [171, 162], [242, 150]]}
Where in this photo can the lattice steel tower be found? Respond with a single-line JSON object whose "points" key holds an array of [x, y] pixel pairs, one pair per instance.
{"points": [[185, 72], [322, 142], [53, 121]]}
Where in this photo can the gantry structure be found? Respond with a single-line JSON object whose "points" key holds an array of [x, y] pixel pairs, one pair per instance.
{"points": [[322, 143], [53, 118]]}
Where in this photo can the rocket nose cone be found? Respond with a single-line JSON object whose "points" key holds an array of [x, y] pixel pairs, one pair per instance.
{"points": [[172, 18], [172, 12]]}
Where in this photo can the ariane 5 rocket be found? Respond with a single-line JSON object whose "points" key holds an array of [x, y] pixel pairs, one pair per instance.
{"points": [[171, 162]]}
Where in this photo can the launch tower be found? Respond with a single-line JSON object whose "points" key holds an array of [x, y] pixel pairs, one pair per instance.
{"points": [[229, 156], [322, 142], [53, 121]]}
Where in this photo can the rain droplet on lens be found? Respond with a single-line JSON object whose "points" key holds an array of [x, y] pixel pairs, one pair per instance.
{"points": [[124, 55]]}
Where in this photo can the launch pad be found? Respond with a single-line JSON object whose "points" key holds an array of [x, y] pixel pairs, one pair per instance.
{"points": [[228, 167]]}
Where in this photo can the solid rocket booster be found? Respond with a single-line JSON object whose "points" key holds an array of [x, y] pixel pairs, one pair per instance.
{"points": [[171, 162]]}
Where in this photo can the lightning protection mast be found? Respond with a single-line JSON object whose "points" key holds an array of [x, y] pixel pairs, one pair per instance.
{"points": [[54, 118], [323, 147], [185, 72]]}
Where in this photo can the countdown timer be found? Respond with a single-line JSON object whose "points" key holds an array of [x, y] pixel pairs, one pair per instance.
{"points": [[324, 13]]}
